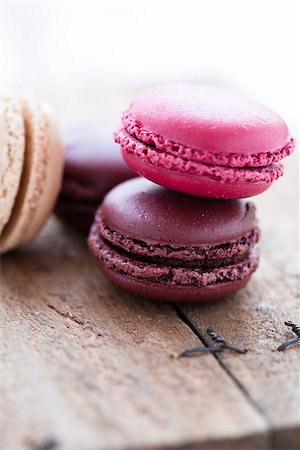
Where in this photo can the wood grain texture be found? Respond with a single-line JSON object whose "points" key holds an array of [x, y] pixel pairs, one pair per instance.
{"points": [[254, 318], [90, 366]]}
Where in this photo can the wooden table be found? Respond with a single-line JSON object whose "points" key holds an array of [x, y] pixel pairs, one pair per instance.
{"points": [[86, 366]]}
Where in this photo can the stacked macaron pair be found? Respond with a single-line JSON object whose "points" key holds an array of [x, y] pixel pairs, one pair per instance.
{"points": [[185, 235]]}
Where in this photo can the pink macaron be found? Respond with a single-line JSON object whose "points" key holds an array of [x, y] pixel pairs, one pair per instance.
{"points": [[204, 141]]}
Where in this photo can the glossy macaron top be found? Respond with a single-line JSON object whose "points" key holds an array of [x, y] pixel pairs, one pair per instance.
{"points": [[144, 211], [93, 162], [208, 118]]}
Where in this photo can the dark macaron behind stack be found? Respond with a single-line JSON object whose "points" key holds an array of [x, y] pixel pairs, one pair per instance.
{"points": [[93, 166], [166, 245]]}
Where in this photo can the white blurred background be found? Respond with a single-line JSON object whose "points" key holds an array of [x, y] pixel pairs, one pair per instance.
{"points": [[89, 58]]}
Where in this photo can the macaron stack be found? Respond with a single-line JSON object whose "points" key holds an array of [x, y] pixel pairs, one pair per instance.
{"points": [[189, 237], [31, 167]]}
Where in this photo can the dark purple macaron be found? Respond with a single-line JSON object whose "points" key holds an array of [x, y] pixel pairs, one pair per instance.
{"points": [[93, 166], [166, 245]]}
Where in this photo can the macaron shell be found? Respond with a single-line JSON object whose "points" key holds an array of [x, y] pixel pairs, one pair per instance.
{"points": [[161, 281], [12, 153], [143, 210], [157, 291], [164, 271], [209, 117], [41, 177], [149, 140], [202, 255], [220, 185]]}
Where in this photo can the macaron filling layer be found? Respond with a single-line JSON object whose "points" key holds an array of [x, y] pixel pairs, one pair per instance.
{"points": [[262, 158], [198, 255], [162, 158], [233, 261]]}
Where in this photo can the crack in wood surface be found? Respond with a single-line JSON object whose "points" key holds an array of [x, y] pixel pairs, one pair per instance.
{"points": [[68, 315], [276, 441], [185, 318]]}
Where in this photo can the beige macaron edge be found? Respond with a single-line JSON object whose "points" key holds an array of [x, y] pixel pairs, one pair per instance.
{"points": [[41, 176], [12, 141]]}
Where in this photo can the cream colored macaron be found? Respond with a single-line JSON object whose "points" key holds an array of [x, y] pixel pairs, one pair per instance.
{"points": [[12, 149], [34, 182]]}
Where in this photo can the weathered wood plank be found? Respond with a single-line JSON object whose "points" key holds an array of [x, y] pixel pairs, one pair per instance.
{"points": [[88, 365], [254, 318]]}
